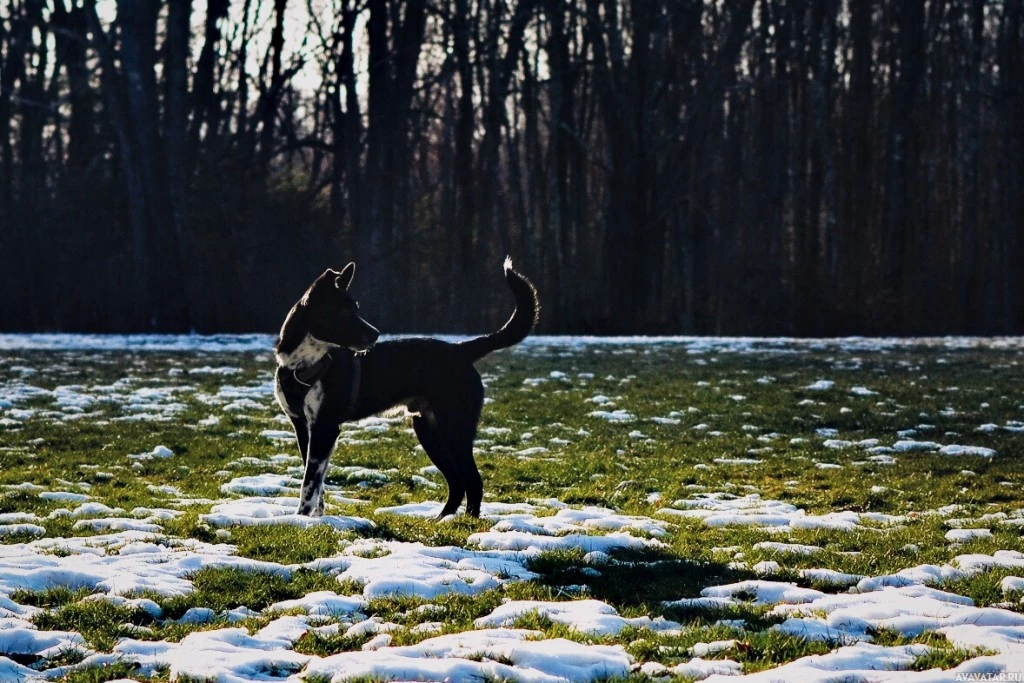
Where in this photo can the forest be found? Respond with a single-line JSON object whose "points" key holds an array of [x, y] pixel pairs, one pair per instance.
{"points": [[765, 167]]}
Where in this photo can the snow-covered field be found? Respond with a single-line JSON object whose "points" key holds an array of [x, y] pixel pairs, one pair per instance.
{"points": [[655, 509]]}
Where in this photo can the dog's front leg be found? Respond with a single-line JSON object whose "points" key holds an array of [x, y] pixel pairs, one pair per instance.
{"points": [[301, 436], [321, 442]]}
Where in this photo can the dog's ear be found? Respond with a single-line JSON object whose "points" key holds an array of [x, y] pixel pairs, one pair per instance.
{"points": [[344, 279]]}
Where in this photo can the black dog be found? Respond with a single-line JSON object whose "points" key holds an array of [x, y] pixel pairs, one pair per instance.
{"points": [[329, 371]]}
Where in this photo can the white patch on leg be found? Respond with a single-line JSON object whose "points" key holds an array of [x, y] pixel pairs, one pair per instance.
{"points": [[314, 398], [308, 503], [318, 495], [321, 471], [313, 487], [304, 501]]}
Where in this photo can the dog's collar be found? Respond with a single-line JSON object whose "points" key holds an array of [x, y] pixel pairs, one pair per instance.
{"points": [[309, 375]]}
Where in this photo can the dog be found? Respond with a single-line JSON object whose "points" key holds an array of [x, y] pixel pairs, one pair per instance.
{"points": [[331, 370]]}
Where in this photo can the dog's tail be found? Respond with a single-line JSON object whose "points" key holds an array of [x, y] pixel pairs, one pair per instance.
{"points": [[522, 322]]}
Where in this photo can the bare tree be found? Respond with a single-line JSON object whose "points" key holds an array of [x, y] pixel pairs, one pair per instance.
{"points": [[748, 167]]}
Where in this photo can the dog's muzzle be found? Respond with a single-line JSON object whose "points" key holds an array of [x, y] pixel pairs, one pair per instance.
{"points": [[369, 337]]}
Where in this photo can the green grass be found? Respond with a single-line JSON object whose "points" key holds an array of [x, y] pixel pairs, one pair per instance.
{"points": [[102, 674], [227, 588], [286, 545], [954, 391], [100, 623]]}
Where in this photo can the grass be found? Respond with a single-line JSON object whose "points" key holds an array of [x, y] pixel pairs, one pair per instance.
{"points": [[286, 545], [227, 588], [100, 623], [112, 672], [752, 401]]}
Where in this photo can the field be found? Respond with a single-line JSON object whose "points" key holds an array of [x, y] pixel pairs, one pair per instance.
{"points": [[654, 510]]}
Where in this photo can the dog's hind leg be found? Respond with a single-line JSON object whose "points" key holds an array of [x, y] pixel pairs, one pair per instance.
{"points": [[438, 452], [321, 442], [459, 434], [462, 452]]}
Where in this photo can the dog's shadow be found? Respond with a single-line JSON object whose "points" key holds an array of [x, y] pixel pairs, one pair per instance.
{"points": [[644, 579]]}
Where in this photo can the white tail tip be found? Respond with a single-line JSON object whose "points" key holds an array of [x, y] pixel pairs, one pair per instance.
{"points": [[508, 263]]}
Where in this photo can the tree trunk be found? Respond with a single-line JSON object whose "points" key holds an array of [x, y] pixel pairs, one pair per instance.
{"points": [[178, 176], [270, 93], [392, 39], [970, 228], [855, 231], [206, 105], [465, 219], [908, 70]]}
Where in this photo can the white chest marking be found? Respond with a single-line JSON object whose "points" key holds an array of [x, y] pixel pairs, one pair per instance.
{"points": [[309, 351], [314, 397]]}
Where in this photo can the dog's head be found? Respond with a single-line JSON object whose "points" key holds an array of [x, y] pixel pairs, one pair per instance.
{"points": [[332, 313]]}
